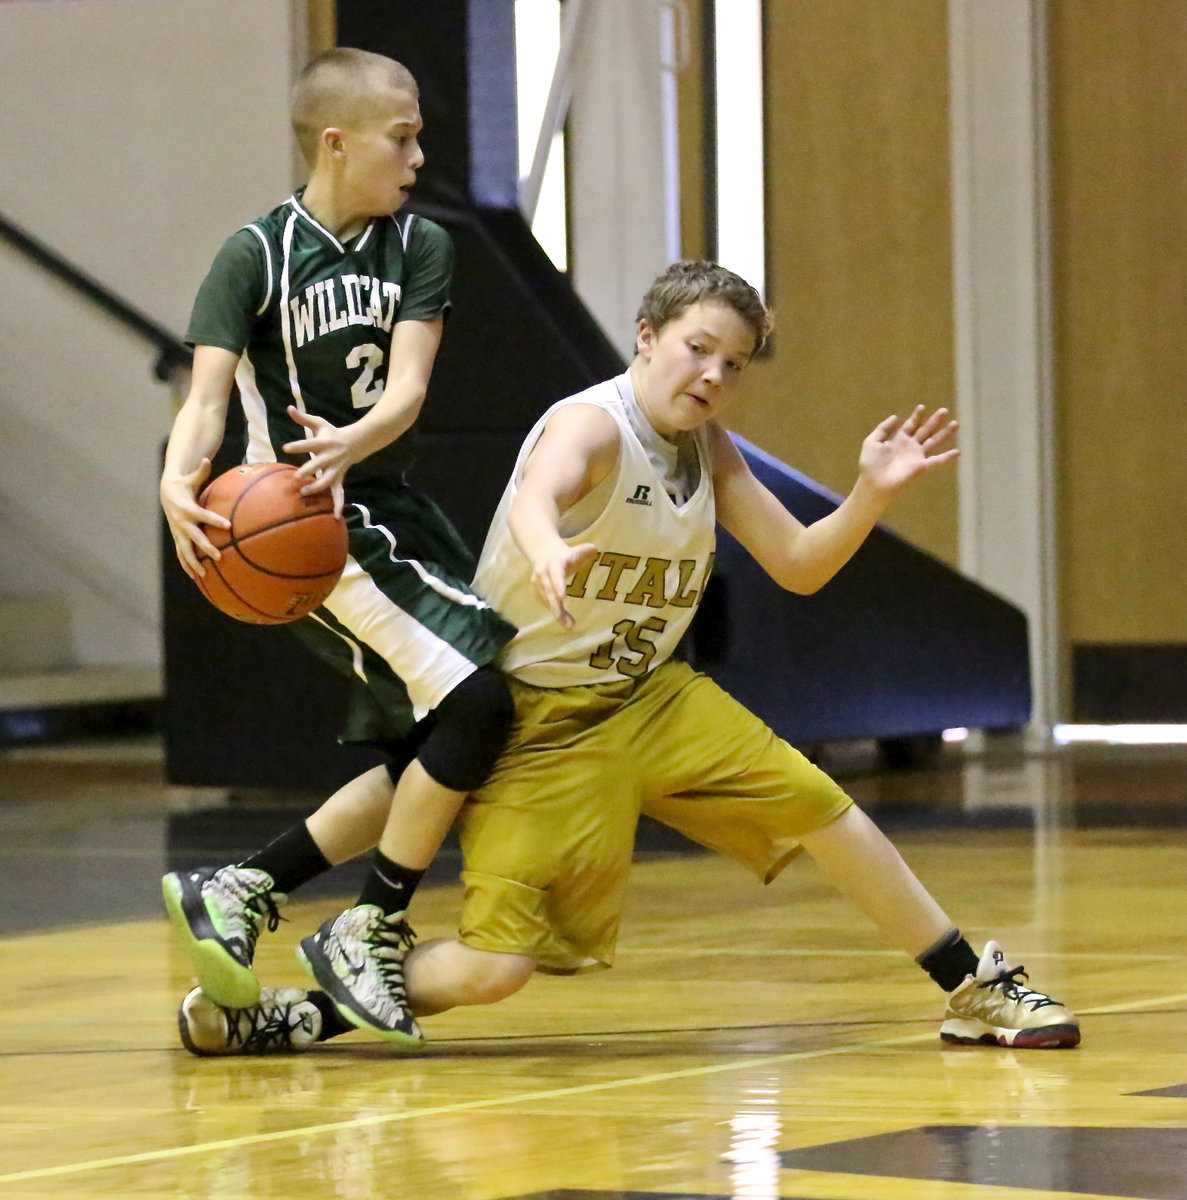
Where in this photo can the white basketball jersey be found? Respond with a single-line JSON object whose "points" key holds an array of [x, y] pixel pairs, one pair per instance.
{"points": [[633, 604]]}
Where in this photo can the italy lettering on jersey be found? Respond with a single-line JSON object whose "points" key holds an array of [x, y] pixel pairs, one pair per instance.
{"points": [[311, 317], [634, 601]]}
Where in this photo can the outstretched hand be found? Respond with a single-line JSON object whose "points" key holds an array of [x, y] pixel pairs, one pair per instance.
{"points": [[897, 451], [330, 450], [551, 574]]}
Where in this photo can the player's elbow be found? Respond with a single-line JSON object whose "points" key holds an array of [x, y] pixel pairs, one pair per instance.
{"points": [[792, 577], [807, 588]]}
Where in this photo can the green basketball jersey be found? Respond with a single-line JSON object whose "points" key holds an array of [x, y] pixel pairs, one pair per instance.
{"points": [[312, 318]]}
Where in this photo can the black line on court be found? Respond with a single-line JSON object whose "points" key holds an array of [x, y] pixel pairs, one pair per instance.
{"points": [[380, 1049], [514, 1039]]}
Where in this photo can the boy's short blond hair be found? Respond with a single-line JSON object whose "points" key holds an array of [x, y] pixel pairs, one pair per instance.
{"points": [[695, 281], [338, 88]]}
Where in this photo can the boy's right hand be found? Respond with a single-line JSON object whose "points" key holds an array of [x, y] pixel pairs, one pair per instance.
{"points": [[186, 518], [552, 571]]}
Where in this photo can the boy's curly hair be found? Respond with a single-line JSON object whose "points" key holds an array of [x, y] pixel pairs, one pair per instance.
{"points": [[693, 281]]}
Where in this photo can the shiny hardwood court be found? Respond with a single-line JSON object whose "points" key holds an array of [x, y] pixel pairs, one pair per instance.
{"points": [[750, 1043]]}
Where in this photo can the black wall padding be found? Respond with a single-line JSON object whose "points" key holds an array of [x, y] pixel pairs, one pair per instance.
{"points": [[897, 645]]}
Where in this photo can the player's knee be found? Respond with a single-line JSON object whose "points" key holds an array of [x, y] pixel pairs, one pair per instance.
{"points": [[470, 727], [443, 973], [494, 977], [397, 755]]}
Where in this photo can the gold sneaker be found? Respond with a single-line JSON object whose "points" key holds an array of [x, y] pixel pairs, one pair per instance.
{"points": [[994, 1007]]}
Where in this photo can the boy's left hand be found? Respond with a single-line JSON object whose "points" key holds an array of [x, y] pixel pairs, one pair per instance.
{"points": [[897, 450], [330, 451], [551, 572]]}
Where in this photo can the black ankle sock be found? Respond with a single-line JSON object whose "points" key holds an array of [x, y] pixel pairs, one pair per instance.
{"points": [[949, 961], [332, 1021], [291, 859], [389, 885]]}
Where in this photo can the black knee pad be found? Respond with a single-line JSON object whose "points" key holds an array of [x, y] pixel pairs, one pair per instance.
{"points": [[397, 755], [469, 729]]}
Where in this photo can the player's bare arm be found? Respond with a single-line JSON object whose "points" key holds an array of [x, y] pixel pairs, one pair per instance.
{"points": [[803, 558], [577, 451], [332, 448], [197, 433]]}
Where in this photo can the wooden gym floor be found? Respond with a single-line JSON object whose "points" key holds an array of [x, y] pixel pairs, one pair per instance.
{"points": [[751, 1043]]}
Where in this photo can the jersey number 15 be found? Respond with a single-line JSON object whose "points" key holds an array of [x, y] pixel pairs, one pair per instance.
{"points": [[637, 639]]}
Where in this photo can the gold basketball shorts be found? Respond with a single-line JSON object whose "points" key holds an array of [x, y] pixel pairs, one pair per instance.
{"points": [[548, 840]]}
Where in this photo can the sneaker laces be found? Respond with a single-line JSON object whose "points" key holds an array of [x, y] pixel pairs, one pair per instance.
{"points": [[263, 1027], [1013, 989], [256, 904], [264, 905], [388, 941]]}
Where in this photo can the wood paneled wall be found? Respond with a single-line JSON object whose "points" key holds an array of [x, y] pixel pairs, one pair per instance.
{"points": [[692, 104], [1119, 223], [859, 223], [860, 239], [860, 274], [321, 25]]}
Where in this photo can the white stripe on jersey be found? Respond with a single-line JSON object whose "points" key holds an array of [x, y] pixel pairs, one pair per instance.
{"points": [[429, 666], [268, 263], [405, 229], [467, 599], [356, 651], [297, 207], [259, 444], [286, 317]]}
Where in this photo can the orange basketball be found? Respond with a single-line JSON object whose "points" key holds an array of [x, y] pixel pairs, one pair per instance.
{"points": [[284, 552]]}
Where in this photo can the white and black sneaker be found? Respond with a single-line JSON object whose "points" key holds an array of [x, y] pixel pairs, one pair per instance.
{"points": [[995, 1007], [217, 912], [284, 1020], [357, 958]]}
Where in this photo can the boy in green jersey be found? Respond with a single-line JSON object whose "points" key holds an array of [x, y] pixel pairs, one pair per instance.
{"points": [[327, 314]]}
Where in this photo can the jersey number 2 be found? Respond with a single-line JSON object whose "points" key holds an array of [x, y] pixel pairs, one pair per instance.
{"points": [[366, 389]]}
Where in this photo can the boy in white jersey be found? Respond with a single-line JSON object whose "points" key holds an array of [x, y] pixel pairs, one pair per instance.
{"points": [[327, 313], [599, 553]]}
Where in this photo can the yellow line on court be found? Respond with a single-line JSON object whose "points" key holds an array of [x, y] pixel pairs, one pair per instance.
{"points": [[1156, 1002], [257, 1139]]}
